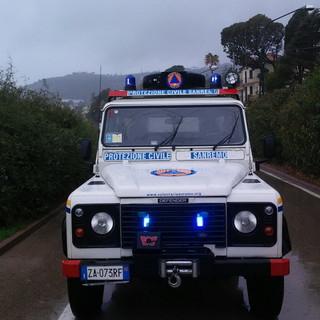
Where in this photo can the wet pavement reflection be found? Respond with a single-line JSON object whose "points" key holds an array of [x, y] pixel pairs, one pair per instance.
{"points": [[217, 299]]}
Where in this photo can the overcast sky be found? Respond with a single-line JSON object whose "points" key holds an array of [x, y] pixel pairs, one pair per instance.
{"points": [[49, 38]]}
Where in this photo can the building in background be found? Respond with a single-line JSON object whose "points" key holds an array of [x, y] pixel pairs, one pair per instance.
{"points": [[249, 86]]}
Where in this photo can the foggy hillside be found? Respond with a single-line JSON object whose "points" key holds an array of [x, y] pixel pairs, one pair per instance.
{"points": [[82, 85]]}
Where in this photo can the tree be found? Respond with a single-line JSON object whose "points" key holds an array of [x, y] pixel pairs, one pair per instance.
{"points": [[39, 158], [302, 40], [96, 105], [281, 77], [292, 27], [176, 68], [248, 43], [211, 60]]}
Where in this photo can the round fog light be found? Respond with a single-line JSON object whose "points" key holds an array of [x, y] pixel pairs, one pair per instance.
{"points": [[245, 221], [268, 210], [102, 223], [78, 212]]}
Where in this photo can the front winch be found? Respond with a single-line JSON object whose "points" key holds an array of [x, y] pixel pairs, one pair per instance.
{"points": [[173, 269]]}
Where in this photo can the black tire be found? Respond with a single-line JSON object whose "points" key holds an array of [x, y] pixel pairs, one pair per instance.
{"points": [[64, 236], [85, 301], [266, 296], [233, 283]]}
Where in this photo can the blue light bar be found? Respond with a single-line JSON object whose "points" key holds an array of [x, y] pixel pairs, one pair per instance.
{"points": [[182, 92], [215, 81]]}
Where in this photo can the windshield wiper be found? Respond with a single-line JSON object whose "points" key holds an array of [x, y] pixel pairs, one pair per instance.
{"points": [[228, 136], [169, 139]]}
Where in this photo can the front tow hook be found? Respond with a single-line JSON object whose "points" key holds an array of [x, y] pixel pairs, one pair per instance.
{"points": [[174, 280]]}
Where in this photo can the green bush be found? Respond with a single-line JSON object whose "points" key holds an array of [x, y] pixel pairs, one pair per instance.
{"points": [[294, 117], [39, 159], [263, 118], [300, 131]]}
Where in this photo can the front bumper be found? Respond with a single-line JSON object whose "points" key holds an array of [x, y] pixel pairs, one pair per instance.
{"points": [[150, 266]]}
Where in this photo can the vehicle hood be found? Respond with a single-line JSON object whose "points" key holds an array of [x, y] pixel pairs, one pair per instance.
{"points": [[178, 179]]}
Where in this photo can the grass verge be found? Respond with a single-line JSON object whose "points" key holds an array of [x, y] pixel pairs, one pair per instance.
{"points": [[9, 231]]}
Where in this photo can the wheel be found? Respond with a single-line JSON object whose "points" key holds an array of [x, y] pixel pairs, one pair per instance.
{"points": [[266, 295], [85, 301]]}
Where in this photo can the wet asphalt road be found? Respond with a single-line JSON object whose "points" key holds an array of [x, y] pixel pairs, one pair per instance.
{"points": [[31, 285]]}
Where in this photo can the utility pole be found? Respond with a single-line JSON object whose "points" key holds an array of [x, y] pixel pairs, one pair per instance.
{"points": [[99, 96]]}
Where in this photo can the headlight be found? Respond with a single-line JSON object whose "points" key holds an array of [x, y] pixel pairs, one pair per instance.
{"points": [[102, 223], [245, 221]]}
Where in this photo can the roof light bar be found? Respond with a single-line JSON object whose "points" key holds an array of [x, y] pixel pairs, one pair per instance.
{"points": [[185, 92]]}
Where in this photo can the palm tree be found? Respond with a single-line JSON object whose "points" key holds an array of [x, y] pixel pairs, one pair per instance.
{"points": [[211, 60]]}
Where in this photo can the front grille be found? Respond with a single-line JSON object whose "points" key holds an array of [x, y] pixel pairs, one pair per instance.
{"points": [[176, 224]]}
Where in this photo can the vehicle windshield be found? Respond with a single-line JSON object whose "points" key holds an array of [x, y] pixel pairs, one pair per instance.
{"points": [[173, 126]]}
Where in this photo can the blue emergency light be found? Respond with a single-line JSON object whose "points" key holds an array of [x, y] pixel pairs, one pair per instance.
{"points": [[215, 81], [200, 219], [145, 219], [130, 83]]}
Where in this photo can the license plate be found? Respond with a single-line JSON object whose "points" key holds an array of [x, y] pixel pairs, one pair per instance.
{"points": [[108, 273]]}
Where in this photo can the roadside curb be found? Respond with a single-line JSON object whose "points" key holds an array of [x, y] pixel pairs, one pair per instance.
{"points": [[299, 183], [10, 242]]}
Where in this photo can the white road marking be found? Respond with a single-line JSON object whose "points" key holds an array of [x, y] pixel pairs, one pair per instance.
{"points": [[66, 314], [292, 184], [107, 294]]}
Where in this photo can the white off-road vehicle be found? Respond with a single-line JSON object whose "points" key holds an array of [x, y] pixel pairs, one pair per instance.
{"points": [[174, 195]]}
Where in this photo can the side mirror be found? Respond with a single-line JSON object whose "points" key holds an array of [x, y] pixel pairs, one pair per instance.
{"points": [[269, 146], [85, 149]]}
